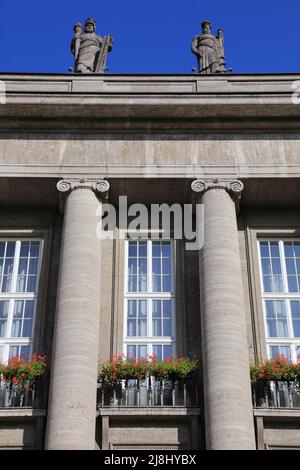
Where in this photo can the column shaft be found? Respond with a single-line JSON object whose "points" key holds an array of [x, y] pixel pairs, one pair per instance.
{"points": [[227, 393], [72, 404]]}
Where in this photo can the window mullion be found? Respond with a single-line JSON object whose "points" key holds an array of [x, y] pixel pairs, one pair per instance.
{"points": [[283, 266], [15, 267], [149, 267]]}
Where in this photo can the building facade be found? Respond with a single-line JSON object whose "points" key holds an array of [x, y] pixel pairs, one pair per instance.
{"points": [[70, 144]]}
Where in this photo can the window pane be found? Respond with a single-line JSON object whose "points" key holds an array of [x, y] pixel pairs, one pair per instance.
{"points": [[282, 328], [13, 351], [24, 351], [168, 351], [142, 266], [142, 327], [132, 266], [143, 249], [167, 328], [296, 327], [16, 328], [18, 310], [24, 250], [2, 249], [267, 283], [270, 311], [156, 283], [167, 308], [131, 312], [34, 249], [272, 328], [157, 351], [264, 249], [142, 305], [286, 351], [156, 308], [3, 324], [142, 351], [167, 266], [27, 329], [274, 351], [10, 249], [295, 308], [266, 266], [156, 266], [276, 266], [156, 327], [297, 249], [277, 284], [31, 284], [166, 283], [33, 266], [290, 266], [131, 350], [132, 284], [288, 249], [274, 249], [293, 284], [131, 328], [156, 249], [142, 286], [166, 249], [280, 308]]}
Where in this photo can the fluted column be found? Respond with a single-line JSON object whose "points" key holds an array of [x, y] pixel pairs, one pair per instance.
{"points": [[227, 393], [72, 402]]}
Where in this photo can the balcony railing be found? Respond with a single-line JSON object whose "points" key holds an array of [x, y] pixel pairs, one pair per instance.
{"points": [[148, 393], [14, 397], [275, 395]]}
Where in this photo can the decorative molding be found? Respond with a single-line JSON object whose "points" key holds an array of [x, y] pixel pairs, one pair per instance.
{"points": [[233, 186], [97, 185]]}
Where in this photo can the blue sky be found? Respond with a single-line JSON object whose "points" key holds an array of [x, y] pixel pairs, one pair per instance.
{"points": [[151, 37]]}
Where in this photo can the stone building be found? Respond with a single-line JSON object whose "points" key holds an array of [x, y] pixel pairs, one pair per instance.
{"points": [[69, 143]]}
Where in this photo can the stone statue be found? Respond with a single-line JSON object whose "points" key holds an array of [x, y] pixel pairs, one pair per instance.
{"points": [[89, 49], [209, 50]]}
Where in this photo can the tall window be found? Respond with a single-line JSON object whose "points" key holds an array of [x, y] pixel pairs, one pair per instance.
{"points": [[19, 276], [149, 326], [280, 283]]}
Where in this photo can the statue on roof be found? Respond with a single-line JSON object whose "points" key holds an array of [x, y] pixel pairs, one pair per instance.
{"points": [[209, 50], [89, 49]]}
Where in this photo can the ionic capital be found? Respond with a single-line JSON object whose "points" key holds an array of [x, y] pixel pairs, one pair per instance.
{"points": [[233, 186], [95, 184]]}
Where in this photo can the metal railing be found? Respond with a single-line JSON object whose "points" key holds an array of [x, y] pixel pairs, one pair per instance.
{"points": [[148, 393], [275, 395], [14, 397]]}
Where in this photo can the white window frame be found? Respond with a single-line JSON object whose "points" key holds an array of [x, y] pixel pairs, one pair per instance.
{"points": [[7, 341], [286, 296], [149, 296]]}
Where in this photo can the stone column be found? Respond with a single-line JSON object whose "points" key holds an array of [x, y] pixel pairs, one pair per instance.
{"points": [[227, 391], [73, 383]]}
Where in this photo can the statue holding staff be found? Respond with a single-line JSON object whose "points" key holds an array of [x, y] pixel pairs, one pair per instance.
{"points": [[209, 50], [89, 49]]}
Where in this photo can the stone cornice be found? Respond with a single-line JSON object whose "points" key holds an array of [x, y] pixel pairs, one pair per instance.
{"points": [[150, 102]]}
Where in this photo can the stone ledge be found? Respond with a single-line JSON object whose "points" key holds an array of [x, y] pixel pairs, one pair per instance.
{"points": [[21, 412], [277, 412], [148, 411]]}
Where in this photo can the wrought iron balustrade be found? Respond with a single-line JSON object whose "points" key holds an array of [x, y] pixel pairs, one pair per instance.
{"points": [[275, 395], [14, 397], [148, 393]]}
